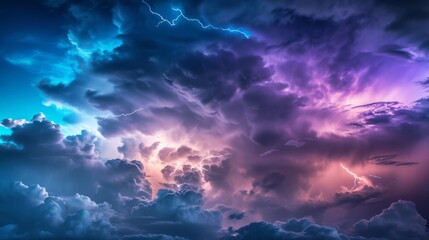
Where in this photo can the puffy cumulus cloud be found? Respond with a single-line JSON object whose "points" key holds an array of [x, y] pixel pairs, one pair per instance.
{"points": [[38, 134], [399, 221], [168, 154], [28, 212], [293, 229], [178, 214], [37, 152], [10, 123], [126, 179], [218, 175], [188, 175], [167, 171], [197, 168], [123, 193]]}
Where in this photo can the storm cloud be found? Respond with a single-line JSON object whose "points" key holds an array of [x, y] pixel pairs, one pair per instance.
{"points": [[214, 119]]}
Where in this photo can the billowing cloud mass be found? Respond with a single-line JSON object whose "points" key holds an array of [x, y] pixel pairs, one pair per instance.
{"points": [[206, 119]]}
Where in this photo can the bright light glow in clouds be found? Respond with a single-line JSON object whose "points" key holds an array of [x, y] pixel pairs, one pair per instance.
{"points": [[358, 181]]}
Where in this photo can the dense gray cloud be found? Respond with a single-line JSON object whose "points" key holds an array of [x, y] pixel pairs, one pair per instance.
{"points": [[389, 224], [179, 214], [218, 175], [293, 229], [188, 175], [214, 78], [36, 152], [121, 184], [399, 221], [28, 212], [31, 213]]}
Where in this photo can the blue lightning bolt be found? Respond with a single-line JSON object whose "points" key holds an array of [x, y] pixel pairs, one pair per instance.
{"points": [[182, 15], [123, 114]]}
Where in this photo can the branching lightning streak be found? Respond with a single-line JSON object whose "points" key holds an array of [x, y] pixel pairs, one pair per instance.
{"points": [[215, 156], [159, 15], [182, 15], [124, 114], [357, 179]]}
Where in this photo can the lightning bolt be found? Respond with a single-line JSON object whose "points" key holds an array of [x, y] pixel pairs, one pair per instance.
{"points": [[216, 156], [124, 114], [357, 179], [204, 26]]}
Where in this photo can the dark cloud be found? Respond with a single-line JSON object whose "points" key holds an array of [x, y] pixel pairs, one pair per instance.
{"points": [[236, 216], [189, 175], [387, 160], [10, 123], [71, 93], [28, 212], [399, 221], [293, 229], [167, 171], [39, 134], [218, 174], [114, 103], [217, 77], [178, 214], [37, 152]]}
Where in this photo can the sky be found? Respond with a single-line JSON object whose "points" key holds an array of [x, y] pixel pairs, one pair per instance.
{"points": [[214, 119]]}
